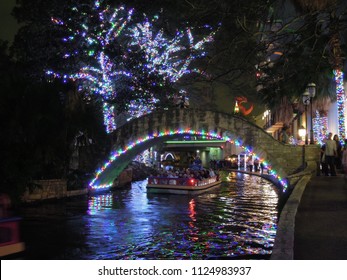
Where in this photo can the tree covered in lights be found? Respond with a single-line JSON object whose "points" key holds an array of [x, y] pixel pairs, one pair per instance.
{"points": [[128, 64], [230, 63], [305, 46], [331, 18]]}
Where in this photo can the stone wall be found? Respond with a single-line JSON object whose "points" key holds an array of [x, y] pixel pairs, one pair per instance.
{"points": [[57, 188], [125, 177], [50, 189]]}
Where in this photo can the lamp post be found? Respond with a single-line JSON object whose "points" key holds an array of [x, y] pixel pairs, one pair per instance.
{"points": [[306, 101], [311, 88]]}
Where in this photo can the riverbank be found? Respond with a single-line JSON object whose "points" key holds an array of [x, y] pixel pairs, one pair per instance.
{"points": [[55, 189]]}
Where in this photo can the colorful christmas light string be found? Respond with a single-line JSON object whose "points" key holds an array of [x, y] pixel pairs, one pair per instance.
{"points": [[100, 31], [116, 154], [169, 57], [99, 79], [320, 128], [340, 95]]}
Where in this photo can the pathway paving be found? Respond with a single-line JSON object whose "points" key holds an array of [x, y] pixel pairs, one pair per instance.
{"points": [[321, 221], [313, 222]]}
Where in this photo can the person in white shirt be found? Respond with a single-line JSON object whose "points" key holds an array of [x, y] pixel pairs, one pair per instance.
{"points": [[211, 173], [330, 153]]}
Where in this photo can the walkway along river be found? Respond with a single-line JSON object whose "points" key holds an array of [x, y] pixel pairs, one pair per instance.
{"points": [[236, 220]]}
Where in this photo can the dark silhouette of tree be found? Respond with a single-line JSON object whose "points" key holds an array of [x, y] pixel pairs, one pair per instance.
{"points": [[330, 17], [39, 121]]}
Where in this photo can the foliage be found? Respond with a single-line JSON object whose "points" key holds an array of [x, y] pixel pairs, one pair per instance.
{"points": [[39, 123], [125, 62], [304, 41], [229, 62], [238, 48], [298, 65]]}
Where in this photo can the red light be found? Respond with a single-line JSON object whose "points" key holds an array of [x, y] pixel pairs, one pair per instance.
{"points": [[192, 182]]}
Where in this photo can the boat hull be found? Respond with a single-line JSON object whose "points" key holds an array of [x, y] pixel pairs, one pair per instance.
{"points": [[10, 243], [12, 249], [176, 189]]}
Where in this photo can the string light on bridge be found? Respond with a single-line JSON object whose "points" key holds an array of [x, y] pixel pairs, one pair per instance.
{"points": [[94, 186]]}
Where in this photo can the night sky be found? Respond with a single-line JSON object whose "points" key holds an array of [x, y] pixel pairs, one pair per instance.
{"points": [[8, 24]]}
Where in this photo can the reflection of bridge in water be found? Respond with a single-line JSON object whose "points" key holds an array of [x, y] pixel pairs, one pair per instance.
{"points": [[238, 219], [140, 134]]}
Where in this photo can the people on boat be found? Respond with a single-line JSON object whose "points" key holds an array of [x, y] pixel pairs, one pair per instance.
{"points": [[211, 173], [184, 173]]}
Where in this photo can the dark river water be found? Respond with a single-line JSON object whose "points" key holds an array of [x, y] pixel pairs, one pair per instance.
{"points": [[236, 220]]}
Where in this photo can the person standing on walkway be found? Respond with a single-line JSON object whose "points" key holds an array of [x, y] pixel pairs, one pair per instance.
{"points": [[330, 153], [325, 169], [250, 164], [344, 159], [256, 164], [338, 157], [261, 168]]}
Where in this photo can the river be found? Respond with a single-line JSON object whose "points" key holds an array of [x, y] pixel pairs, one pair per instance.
{"points": [[237, 220]]}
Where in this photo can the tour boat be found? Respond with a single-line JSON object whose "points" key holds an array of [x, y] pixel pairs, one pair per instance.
{"points": [[181, 185], [10, 243]]}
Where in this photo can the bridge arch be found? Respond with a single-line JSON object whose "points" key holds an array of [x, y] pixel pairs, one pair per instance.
{"points": [[139, 134]]}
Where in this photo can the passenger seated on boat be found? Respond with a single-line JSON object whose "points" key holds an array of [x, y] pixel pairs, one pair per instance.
{"points": [[198, 161], [163, 178], [197, 176], [195, 166], [169, 168], [206, 173], [184, 177], [180, 176], [172, 175], [211, 173]]}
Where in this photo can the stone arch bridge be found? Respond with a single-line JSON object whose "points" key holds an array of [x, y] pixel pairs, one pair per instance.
{"points": [[140, 134]]}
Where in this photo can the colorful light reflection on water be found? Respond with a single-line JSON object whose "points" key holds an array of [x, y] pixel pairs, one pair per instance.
{"points": [[236, 220]]}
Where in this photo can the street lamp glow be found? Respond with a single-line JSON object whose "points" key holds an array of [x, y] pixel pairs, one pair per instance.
{"points": [[302, 131], [311, 88], [306, 100]]}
